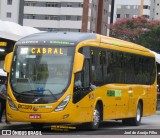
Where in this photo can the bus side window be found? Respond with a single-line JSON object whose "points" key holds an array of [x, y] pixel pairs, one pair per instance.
{"points": [[85, 74], [78, 80]]}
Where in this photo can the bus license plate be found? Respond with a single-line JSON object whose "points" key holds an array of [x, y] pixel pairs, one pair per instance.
{"points": [[34, 116]]}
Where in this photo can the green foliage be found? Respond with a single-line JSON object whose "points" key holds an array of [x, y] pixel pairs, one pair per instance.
{"points": [[138, 30], [151, 39]]}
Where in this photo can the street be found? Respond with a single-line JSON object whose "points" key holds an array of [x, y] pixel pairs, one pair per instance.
{"points": [[150, 126]]}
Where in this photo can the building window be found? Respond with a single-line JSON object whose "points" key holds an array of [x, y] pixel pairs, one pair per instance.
{"points": [[79, 18], [51, 17], [68, 17], [69, 5], [51, 4], [135, 7], [9, 2], [135, 16], [157, 4], [147, 16], [146, 7], [127, 7], [80, 5], [157, 13], [9, 14], [105, 11], [30, 3], [118, 15], [126, 15], [29, 16], [119, 6]]}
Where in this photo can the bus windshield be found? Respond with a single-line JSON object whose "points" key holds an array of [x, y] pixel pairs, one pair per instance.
{"points": [[39, 71]]}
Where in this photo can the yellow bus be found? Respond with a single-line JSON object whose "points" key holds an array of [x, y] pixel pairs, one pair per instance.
{"points": [[80, 78]]}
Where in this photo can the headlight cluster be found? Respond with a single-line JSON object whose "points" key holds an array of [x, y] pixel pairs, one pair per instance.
{"points": [[11, 104], [63, 104]]}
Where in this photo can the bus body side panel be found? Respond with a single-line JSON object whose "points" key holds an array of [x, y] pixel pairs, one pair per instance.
{"points": [[116, 101], [137, 93], [149, 106], [134, 93]]}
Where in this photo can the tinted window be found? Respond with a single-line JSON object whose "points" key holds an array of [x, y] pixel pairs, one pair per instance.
{"points": [[109, 66]]}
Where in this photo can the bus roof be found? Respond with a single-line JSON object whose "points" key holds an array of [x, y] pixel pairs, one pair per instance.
{"points": [[122, 43], [73, 38], [50, 38]]}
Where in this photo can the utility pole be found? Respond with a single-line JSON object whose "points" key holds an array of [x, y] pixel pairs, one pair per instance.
{"points": [[141, 7]]}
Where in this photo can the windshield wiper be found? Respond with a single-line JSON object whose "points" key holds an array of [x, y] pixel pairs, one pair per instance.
{"points": [[36, 92], [51, 93]]}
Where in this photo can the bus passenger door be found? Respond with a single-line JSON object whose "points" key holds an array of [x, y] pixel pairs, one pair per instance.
{"points": [[82, 86], [82, 89]]}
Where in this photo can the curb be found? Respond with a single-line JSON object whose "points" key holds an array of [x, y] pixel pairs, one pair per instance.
{"points": [[158, 112]]}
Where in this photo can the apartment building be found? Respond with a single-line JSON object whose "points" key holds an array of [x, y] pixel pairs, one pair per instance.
{"points": [[156, 9], [129, 9], [9, 10], [59, 15]]}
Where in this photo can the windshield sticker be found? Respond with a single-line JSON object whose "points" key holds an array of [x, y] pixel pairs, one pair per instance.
{"points": [[47, 106], [114, 93]]}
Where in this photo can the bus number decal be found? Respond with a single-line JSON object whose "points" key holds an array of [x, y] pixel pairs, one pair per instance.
{"points": [[21, 106]]}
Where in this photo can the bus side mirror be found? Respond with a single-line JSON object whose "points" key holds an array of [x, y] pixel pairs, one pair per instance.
{"points": [[78, 62], [7, 62]]}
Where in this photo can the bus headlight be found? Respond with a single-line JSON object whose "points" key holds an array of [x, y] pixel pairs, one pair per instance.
{"points": [[63, 104], [11, 104]]}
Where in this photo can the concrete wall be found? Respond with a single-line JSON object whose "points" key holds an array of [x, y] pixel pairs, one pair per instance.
{"points": [[13, 9]]}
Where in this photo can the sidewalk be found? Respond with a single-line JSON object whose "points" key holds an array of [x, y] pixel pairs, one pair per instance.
{"points": [[14, 124]]}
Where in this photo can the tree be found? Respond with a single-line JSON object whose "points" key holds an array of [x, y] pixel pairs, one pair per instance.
{"points": [[151, 39], [136, 30]]}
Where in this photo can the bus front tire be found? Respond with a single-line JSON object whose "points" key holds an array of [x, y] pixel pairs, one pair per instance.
{"points": [[96, 119], [135, 121]]}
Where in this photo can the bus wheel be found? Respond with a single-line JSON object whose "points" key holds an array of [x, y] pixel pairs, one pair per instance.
{"points": [[37, 125], [96, 119], [136, 120]]}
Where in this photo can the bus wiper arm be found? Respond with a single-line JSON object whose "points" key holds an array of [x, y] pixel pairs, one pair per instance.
{"points": [[50, 93], [36, 92]]}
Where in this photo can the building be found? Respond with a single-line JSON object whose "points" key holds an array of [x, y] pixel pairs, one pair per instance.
{"points": [[100, 16], [9, 10], [59, 15], [156, 9], [129, 9]]}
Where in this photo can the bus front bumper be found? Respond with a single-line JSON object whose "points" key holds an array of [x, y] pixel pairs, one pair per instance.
{"points": [[69, 116]]}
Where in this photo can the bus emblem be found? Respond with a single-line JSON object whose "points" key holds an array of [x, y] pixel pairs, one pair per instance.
{"points": [[35, 100], [35, 108]]}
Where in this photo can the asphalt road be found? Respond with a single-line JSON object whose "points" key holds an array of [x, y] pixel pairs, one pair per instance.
{"points": [[150, 126]]}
